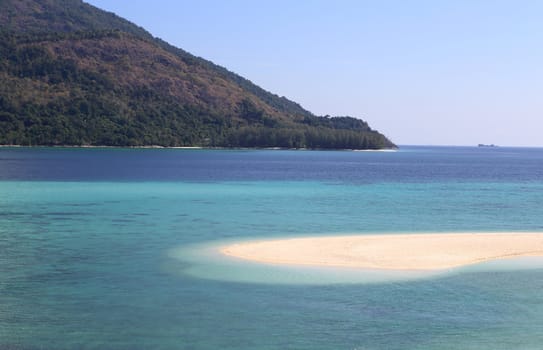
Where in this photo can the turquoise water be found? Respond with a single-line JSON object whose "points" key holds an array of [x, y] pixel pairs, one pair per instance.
{"points": [[115, 249]]}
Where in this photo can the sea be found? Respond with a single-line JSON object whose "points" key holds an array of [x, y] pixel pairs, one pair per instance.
{"points": [[105, 248]]}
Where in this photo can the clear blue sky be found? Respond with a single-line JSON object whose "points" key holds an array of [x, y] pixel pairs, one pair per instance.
{"points": [[456, 72]]}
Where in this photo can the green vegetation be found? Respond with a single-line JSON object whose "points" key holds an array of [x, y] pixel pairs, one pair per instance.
{"points": [[92, 78]]}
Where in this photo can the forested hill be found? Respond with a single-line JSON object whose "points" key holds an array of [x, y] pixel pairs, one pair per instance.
{"points": [[73, 74]]}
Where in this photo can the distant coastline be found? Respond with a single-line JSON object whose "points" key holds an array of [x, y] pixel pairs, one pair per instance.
{"points": [[201, 147]]}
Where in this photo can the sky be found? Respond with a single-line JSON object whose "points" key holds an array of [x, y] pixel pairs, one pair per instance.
{"points": [[423, 72]]}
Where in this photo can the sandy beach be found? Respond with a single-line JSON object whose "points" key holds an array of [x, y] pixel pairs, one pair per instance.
{"points": [[395, 252]]}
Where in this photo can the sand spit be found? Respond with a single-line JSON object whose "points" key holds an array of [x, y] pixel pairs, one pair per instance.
{"points": [[393, 252]]}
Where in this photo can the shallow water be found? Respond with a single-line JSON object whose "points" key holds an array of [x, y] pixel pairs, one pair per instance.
{"points": [[108, 248]]}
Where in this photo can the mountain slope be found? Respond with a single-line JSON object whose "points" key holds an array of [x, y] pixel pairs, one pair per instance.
{"points": [[76, 75]]}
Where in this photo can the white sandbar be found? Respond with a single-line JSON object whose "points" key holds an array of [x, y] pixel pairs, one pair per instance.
{"points": [[395, 252]]}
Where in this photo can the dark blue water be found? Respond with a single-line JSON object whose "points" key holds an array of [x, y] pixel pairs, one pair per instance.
{"points": [[412, 164], [96, 248]]}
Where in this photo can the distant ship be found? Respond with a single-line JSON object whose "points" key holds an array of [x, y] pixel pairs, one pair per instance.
{"points": [[483, 145]]}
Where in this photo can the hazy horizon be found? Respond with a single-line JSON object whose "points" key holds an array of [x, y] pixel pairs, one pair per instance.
{"points": [[421, 72]]}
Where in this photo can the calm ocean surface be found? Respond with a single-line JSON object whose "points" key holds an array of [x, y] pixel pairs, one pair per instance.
{"points": [[115, 248]]}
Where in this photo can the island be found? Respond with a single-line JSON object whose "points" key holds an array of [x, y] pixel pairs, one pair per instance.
{"points": [[73, 74]]}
